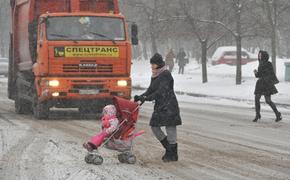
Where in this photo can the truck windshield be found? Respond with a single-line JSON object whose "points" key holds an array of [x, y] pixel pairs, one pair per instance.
{"points": [[85, 28]]}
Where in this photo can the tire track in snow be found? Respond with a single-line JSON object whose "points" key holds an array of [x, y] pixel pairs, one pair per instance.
{"points": [[10, 162], [223, 146]]}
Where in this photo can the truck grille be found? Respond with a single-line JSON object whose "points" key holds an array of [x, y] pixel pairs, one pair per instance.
{"points": [[87, 85], [88, 67]]}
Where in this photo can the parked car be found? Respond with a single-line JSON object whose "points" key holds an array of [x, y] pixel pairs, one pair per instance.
{"points": [[3, 66], [227, 55]]}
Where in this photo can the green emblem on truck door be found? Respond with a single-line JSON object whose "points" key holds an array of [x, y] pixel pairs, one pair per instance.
{"points": [[59, 52]]}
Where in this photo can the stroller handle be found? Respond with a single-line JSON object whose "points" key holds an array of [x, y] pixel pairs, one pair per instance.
{"points": [[139, 105], [142, 102]]}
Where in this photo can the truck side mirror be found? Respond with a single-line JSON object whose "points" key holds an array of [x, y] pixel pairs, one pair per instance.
{"points": [[134, 34], [44, 20]]}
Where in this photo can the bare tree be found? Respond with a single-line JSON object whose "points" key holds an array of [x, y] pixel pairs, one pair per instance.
{"points": [[237, 33], [151, 15], [236, 25], [273, 10], [167, 23], [206, 33], [238, 8]]}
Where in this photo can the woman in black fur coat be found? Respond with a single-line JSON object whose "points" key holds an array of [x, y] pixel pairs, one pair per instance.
{"points": [[265, 85], [166, 110]]}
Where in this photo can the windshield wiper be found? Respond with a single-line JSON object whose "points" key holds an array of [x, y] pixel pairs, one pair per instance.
{"points": [[59, 35], [104, 36]]}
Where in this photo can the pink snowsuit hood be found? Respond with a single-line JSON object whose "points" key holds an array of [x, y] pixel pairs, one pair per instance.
{"points": [[109, 110]]}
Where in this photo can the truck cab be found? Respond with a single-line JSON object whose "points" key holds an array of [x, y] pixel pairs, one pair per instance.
{"points": [[78, 59]]}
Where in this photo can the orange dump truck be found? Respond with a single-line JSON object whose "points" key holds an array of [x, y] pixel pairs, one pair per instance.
{"points": [[68, 54]]}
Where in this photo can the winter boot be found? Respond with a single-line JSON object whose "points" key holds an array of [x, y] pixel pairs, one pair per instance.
{"points": [[174, 156], [258, 116], [278, 116], [171, 154], [89, 146], [277, 113], [165, 144]]}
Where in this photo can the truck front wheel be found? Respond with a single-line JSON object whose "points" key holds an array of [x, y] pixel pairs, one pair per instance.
{"points": [[21, 106], [40, 109]]}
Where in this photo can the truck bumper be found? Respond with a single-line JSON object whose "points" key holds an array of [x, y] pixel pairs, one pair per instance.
{"points": [[56, 89]]}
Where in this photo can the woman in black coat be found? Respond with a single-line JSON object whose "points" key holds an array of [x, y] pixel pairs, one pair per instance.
{"points": [[265, 85], [166, 110]]}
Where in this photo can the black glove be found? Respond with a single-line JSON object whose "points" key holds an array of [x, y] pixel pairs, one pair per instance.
{"points": [[136, 98], [142, 99], [139, 98]]}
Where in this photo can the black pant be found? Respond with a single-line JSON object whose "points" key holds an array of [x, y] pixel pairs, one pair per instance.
{"points": [[170, 68], [268, 101], [181, 70]]}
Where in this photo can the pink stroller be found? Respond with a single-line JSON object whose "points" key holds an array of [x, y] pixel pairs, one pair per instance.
{"points": [[122, 138]]}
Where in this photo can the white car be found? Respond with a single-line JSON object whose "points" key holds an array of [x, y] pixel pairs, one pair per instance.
{"points": [[3, 66]]}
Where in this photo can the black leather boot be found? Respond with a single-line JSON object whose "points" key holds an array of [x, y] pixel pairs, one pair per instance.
{"points": [[278, 116], [258, 116], [172, 154], [257, 108], [165, 144], [277, 113]]}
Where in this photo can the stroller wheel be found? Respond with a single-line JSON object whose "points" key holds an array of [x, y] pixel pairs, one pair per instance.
{"points": [[121, 157], [131, 159], [127, 157], [94, 159], [89, 158], [98, 160]]}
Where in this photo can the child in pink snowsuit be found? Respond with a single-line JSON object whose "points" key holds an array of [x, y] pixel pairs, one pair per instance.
{"points": [[109, 125]]}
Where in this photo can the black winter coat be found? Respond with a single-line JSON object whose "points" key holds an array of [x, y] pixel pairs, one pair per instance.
{"points": [[166, 110], [265, 85], [181, 58]]}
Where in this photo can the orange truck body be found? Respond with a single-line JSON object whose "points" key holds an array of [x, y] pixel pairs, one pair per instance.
{"points": [[68, 73]]}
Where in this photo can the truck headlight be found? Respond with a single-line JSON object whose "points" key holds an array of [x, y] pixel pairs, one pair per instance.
{"points": [[53, 83], [55, 94], [122, 83]]}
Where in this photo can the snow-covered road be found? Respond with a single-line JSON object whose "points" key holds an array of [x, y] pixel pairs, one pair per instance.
{"points": [[215, 142]]}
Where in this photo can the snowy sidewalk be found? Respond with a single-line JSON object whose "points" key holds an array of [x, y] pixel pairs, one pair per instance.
{"points": [[221, 81]]}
